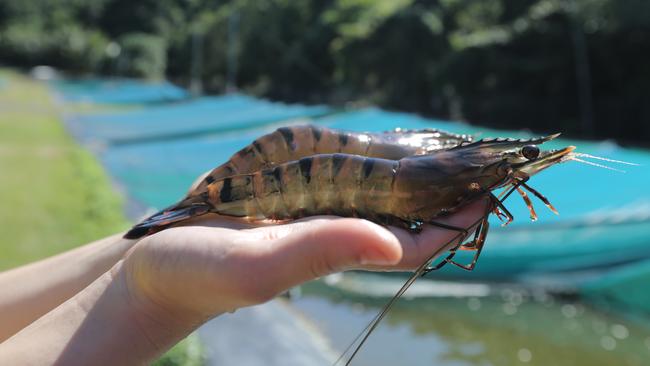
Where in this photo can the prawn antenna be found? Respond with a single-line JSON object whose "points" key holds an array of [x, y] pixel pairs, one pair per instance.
{"points": [[541, 197], [576, 156], [360, 339], [596, 164], [583, 155]]}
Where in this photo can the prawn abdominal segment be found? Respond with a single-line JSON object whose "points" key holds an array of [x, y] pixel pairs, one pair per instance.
{"points": [[401, 192], [296, 142], [406, 192]]}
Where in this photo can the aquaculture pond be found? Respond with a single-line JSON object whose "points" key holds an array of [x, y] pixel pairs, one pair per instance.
{"points": [[565, 290], [510, 326]]}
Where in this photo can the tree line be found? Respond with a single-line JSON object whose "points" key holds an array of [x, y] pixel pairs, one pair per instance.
{"points": [[578, 66]]}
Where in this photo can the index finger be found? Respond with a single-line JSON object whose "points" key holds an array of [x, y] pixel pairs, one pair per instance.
{"points": [[419, 247]]}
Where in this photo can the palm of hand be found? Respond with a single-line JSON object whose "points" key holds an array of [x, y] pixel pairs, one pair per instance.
{"points": [[214, 264]]}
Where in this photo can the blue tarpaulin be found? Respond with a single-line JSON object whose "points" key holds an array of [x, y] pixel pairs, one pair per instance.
{"points": [[604, 222], [118, 91], [188, 118], [597, 207]]}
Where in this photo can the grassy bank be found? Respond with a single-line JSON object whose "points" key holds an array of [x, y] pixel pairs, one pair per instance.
{"points": [[54, 194]]}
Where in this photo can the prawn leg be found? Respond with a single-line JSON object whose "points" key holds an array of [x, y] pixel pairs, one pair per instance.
{"points": [[415, 227], [449, 227], [452, 253], [479, 238], [477, 245], [499, 204], [412, 226], [540, 196]]}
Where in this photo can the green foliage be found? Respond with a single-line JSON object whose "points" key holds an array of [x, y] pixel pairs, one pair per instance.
{"points": [[357, 19], [69, 46], [142, 55], [510, 63], [188, 352], [52, 32]]}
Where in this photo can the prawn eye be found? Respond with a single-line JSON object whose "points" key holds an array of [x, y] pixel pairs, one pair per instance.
{"points": [[530, 152]]}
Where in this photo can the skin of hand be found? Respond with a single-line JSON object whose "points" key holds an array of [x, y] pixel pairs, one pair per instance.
{"points": [[216, 264], [171, 282], [186, 275], [33, 290]]}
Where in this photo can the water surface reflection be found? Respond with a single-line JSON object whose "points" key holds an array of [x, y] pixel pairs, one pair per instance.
{"points": [[510, 327]]}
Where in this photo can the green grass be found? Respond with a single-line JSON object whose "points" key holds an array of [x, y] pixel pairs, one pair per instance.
{"points": [[81, 108], [54, 194], [188, 352]]}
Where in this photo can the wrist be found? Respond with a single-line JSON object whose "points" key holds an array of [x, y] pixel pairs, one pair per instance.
{"points": [[177, 283], [161, 325], [104, 324]]}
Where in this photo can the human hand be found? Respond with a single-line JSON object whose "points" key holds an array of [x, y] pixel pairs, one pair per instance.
{"points": [[183, 276]]}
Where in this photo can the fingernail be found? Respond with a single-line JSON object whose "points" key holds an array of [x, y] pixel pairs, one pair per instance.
{"points": [[383, 233], [375, 258], [387, 241]]}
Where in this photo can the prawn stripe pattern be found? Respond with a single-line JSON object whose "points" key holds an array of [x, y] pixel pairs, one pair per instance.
{"points": [[404, 178], [297, 143], [294, 143], [306, 187]]}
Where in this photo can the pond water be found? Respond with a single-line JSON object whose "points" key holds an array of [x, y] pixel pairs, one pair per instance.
{"points": [[509, 327]]}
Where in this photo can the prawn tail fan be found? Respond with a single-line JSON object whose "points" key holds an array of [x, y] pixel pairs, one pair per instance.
{"points": [[167, 217]]}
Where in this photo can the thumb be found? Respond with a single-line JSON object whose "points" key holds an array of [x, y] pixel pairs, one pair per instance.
{"points": [[319, 247]]}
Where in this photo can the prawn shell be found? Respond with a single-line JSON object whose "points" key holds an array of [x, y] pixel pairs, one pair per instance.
{"points": [[296, 142]]}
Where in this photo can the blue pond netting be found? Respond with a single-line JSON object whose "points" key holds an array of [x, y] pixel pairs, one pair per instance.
{"points": [[604, 215], [598, 207], [118, 91], [188, 118], [604, 221]]}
